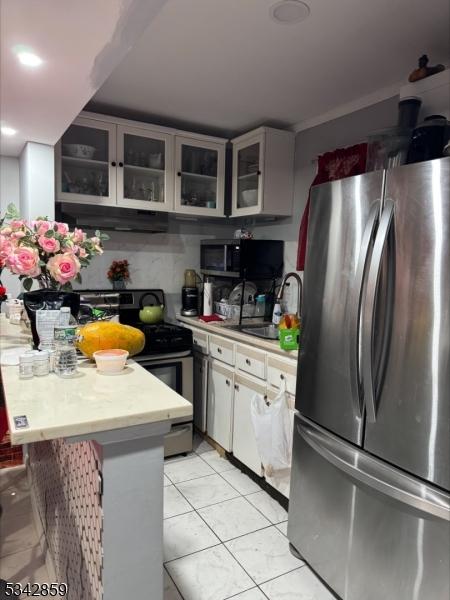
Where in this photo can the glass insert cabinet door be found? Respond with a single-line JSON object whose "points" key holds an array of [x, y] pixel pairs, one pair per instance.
{"points": [[86, 169], [144, 163], [199, 181], [248, 172]]}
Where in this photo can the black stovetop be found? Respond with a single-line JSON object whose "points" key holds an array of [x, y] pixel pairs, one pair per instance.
{"points": [[165, 338]]}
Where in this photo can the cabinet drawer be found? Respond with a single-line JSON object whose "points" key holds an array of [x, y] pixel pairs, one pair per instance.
{"points": [[251, 361], [279, 371], [221, 349], [200, 341]]}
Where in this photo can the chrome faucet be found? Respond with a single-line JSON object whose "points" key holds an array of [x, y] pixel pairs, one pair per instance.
{"points": [[299, 287]]}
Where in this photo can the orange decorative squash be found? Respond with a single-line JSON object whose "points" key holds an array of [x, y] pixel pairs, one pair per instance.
{"points": [[105, 335]]}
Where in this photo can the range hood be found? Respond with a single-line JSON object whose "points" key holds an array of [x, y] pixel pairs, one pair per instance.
{"points": [[87, 216]]}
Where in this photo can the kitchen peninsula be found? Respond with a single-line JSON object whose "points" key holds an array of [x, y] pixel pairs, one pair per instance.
{"points": [[96, 472]]}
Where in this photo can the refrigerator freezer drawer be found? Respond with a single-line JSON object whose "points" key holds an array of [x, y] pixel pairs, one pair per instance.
{"points": [[368, 532]]}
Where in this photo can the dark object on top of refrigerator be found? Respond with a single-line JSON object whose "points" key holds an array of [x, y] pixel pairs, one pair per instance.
{"points": [[428, 139], [370, 486]]}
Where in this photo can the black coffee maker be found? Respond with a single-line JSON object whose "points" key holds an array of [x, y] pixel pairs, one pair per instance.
{"points": [[189, 294]]}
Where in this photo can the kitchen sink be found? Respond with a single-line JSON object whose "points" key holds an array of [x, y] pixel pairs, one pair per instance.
{"points": [[262, 330]]}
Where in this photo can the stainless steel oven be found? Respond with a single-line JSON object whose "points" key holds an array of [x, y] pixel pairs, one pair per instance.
{"points": [[176, 371]]}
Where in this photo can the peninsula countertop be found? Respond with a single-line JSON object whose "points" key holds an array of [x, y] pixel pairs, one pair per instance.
{"points": [[56, 407]]}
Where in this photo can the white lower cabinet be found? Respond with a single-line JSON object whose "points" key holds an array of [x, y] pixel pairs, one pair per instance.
{"points": [[244, 441], [200, 391], [220, 404]]}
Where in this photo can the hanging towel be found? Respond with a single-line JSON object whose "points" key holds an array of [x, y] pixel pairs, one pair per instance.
{"points": [[343, 162]]}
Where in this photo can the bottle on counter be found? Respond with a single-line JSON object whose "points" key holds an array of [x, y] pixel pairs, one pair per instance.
{"points": [[65, 357]]}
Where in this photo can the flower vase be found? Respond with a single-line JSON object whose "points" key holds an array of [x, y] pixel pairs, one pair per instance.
{"points": [[46, 299], [118, 284]]}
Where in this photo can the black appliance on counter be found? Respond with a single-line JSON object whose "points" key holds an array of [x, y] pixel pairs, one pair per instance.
{"points": [[189, 301], [250, 259], [167, 353]]}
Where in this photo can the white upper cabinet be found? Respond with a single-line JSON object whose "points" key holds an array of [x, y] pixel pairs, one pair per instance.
{"points": [[263, 173], [115, 162], [86, 163], [199, 176], [144, 169]]}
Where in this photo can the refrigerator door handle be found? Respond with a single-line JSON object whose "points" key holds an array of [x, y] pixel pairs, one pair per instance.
{"points": [[355, 311], [369, 309], [379, 476]]}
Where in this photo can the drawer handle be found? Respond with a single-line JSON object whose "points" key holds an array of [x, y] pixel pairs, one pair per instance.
{"points": [[227, 381], [247, 362], [282, 377], [236, 387], [219, 350]]}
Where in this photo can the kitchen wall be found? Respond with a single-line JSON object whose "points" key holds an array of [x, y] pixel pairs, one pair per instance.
{"points": [[9, 192], [345, 131], [156, 260]]}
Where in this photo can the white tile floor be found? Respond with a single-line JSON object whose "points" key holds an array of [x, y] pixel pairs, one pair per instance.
{"points": [[224, 537]]}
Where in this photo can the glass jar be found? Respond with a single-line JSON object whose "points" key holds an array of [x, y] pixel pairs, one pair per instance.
{"points": [[26, 362], [41, 363]]}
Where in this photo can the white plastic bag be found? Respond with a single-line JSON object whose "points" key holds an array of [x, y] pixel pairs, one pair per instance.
{"points": [[272, 425]]}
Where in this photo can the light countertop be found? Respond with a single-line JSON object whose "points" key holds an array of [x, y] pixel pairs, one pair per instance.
{"points": [[90, 402], [220, 328]]}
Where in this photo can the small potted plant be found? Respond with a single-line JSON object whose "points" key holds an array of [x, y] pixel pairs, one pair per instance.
{"points": [[119, 274]]}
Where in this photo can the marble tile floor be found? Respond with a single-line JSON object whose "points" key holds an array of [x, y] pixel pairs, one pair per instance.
{"points": [[224, 537]]}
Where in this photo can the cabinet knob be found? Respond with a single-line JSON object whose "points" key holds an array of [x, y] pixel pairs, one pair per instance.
{"points": [[121, 164], [219, 350], [282, 376], [236, 387], [179, 173], [258, 172], [227, 381], [113, 164], [247, 362]]}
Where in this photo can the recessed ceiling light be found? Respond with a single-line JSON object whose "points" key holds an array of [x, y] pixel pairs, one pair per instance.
{"points": [[8, 130], [289, 11], [27, 57]]}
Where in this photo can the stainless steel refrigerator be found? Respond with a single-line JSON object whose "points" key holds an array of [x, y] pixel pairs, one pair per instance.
{"points": [[369, 503]]}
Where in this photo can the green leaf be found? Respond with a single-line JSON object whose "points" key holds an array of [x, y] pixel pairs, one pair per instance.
{"points": [[50, 233], [104, 237], [67, 287], [27, 283], [12, 212], [78, 278]]}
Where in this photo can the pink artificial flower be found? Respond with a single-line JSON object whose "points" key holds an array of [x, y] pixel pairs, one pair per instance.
{"points": [[97, 245], [17, 235], [82, 252], [78, 236], [49, 245], [17, 223], [24, 261], [63, 228], [6, 231], [42, 226], [6, 246], [63, 267]]}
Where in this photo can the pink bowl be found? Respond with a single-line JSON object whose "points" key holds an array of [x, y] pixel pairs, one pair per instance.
{"points": [[110, 361]]}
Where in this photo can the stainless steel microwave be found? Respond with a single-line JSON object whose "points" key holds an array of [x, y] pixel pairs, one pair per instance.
{"points": [[252, 259]]}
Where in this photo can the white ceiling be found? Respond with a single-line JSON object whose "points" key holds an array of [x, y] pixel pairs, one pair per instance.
{"points": [[226, 65], [80, 43]]}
